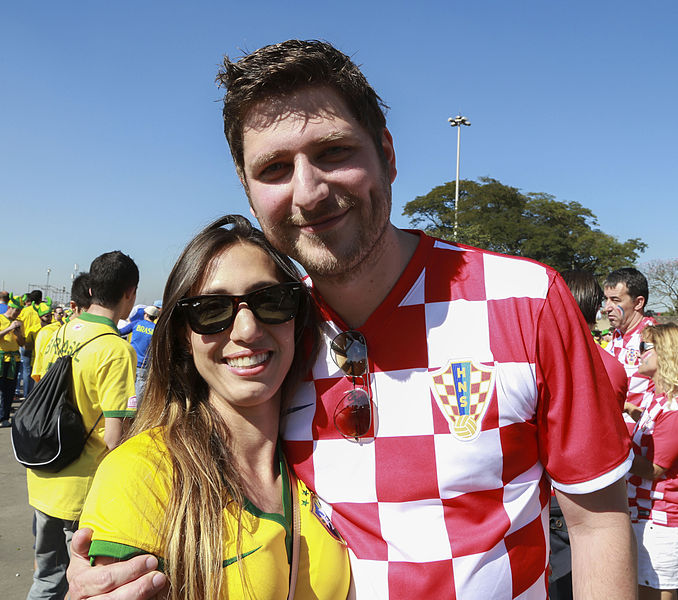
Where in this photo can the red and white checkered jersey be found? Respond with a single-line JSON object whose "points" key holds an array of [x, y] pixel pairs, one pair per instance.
{"points": [[485, 378], [626, 349], [656, 438]]}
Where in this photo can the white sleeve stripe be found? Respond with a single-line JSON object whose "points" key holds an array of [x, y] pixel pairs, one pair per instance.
{"points": [[586, 487]]}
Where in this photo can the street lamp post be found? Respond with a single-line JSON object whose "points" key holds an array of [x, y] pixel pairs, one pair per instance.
{"points": [[457, 122]]}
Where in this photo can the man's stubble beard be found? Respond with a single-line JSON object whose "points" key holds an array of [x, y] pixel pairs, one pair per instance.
{"points": [[313, 251]]}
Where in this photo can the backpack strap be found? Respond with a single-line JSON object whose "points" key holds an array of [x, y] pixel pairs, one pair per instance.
{"points": [[93, 426], [78, 350]]}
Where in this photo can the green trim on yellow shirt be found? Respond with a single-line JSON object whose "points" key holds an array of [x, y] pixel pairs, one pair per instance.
{"points": [[90, 318], [120, 414]]}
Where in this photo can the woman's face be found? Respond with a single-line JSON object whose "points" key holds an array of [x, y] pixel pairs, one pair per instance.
{"points": [[648, 363], [245, 365]]}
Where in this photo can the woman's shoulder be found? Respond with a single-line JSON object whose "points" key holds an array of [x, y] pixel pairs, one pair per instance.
{"points": [[141, 451]]}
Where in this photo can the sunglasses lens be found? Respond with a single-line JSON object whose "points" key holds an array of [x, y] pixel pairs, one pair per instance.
{"points": [[353, 415], [645, 346], [210, 315], [276, 304], [349, 352]]}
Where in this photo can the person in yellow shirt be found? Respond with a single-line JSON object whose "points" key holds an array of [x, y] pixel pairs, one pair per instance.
{"points": [[80, 301], [31, 324], [11, 338], [103, 391], [204, 485]]}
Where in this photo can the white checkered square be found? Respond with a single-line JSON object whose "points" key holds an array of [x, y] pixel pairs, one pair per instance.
{"points": [[297, 423], [369, 579], [483, 575], [404, 405], [337, 462], [534, 592], [506, 277], [469, 322], [468, 466], [415, 531], [521, 498], [416, 295], [325, 366], [448, 246], [516, 387]]}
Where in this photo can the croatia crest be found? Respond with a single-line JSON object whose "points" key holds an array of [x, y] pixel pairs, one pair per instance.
{"points": [[632, 357], [463, 391]]}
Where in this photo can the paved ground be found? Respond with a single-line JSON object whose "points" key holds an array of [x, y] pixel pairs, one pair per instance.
{"points": [[16, 537]]}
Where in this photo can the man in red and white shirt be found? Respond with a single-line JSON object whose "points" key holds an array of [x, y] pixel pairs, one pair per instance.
{"points": [[626, 295], [482, 376]]}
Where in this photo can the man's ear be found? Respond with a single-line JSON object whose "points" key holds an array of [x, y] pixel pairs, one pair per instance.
{"points": [[389, 153], [639, 303]]}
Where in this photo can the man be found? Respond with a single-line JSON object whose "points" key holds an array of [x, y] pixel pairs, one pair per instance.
{"points": [[438, 493], [59, 314], [626, 296], [141, 340], [32, 324], [103, 388], [80, 301], [11, 339]]}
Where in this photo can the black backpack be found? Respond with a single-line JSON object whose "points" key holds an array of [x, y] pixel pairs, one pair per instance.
{"points": [[47, 430]]}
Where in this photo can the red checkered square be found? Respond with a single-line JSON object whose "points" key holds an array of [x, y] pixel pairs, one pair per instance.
{"points": [[480, 512], [425, 580], [527, 554], [391, 347], [359, 525], [519, 447], [411, 460], [505, 318], [459, 275]]}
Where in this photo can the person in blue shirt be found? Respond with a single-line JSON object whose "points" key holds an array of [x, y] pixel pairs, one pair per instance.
{"points": [[141, 340], [4, 299]]}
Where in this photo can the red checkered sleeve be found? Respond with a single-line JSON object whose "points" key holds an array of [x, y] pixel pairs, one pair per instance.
{"points": [[665, 438], [583, 442]]}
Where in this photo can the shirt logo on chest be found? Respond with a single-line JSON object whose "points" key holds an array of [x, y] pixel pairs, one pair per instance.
{"points": [[463, 390], [632, 356]]}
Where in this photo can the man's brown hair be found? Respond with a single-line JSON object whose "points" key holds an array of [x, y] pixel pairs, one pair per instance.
{"points": [[285, 68]]}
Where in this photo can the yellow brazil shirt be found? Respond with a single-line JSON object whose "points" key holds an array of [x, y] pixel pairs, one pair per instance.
{"points": [[126, 508], [103, 386], [32, 324], [8, 342], [39, 355]]}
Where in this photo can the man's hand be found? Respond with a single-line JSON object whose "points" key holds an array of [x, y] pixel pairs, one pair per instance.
{"points": [[635, 412], [133, 579]]}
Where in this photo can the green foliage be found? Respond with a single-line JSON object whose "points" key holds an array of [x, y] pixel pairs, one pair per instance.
{"points": [[497, 217]]}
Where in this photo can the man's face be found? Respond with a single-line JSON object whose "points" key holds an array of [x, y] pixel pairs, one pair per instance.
{"points": [[621, 308], [320, 190], [12, 312]]}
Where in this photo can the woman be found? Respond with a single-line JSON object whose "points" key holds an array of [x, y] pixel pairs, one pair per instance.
{"points": [[225, 351], [653, 482]]}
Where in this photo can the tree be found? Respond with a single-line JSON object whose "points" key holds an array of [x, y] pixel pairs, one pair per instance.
{"points": [[497, 217], [662, 278]]}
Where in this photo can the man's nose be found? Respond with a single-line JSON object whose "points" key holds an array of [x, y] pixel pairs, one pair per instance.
{"points": [[310, 185]]}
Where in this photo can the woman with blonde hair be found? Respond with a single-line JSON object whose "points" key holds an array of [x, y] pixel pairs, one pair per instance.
{"points": [[653, 479], [203, 484]]}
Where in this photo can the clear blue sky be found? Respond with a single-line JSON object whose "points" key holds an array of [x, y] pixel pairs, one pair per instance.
{"points": [[111, 133]]}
